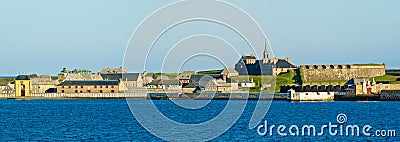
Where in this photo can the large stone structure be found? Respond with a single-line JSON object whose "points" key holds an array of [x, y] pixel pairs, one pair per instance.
{"points": [[44, 84], [250, 65], [341, 72], [91, 86]]}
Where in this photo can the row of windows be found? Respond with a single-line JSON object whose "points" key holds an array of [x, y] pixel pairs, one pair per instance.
{"points": [[82, 86], [87, 91]]}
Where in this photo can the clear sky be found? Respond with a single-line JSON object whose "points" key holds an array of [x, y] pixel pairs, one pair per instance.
{"points": [[43, 36]]}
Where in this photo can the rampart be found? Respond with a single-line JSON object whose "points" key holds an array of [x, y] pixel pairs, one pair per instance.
{"points": [[341, 72]]}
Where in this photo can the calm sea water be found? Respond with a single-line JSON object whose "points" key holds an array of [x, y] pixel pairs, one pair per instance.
{"points": [[111, 119]]}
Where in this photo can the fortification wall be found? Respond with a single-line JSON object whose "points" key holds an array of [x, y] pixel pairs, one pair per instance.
{"points": [[341, 72], [390, 95]]}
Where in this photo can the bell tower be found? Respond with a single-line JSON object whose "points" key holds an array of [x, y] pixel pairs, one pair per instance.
{"points": [[265, 49]]}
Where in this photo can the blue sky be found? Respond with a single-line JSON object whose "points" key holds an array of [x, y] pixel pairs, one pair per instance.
{"points": [[43, 36]]}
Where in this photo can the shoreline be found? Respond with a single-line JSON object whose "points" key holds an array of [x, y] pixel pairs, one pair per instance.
{"points": [[220, 96]]}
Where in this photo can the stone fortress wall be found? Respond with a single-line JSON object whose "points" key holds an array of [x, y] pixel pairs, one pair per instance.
{"points": [[341, 72]]}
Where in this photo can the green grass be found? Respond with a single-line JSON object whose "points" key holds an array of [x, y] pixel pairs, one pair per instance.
{"points": [[6, 79], [170, 75], [210, 72], [258, 80], [370, 64], [390, 79], [394, 72], [289, 78]]}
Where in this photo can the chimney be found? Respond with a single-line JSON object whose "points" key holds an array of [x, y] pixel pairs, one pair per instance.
{"points": [[288, 59], [252, 55], [224, 77], [276, 60], [243, 55]]}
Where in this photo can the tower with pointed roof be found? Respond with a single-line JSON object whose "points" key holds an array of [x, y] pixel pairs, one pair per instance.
{"points": [[265, 53]]}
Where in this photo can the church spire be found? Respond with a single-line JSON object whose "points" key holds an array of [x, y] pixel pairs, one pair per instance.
{"points": [[266, 49]]}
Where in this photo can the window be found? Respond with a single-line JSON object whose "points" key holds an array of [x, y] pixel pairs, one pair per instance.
{"points": [[88, 91], [62, 86], [69, 86], [95, 86], [76, 86], [101, 86], [112, 86], [101, 91], [76, 91], [112, 91], [107, 86], [81, 86], [80, 91], [62, 91]]}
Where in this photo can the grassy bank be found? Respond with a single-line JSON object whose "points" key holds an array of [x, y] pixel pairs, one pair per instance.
{"points": [[210, 72], [289, 78], [388, 79], [6, 79]]}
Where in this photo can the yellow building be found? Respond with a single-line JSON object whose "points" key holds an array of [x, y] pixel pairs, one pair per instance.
{"points": [[23, 85]]}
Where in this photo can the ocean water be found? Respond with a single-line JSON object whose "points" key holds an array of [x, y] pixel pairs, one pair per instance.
{"points": [[112, 120]]}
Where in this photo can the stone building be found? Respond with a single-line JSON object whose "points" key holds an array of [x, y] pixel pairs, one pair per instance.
{"points": [[165, 84], [112, 70], [219, 86], [250, 65], [247, 83], [190, 87], [91, 86], [6, 87], [230, 72], [78, 74], [131, 80], [310, 96], [147, 77], [371, 87], [43, 84], [341, 72], [23, 85], [184, 77]]}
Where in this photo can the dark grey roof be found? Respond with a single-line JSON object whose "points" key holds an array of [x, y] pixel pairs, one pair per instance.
{"points": [[123, 77], [88, 82], [164, 82], [197, 77], [148, 74], [190, 85], [22, 77], [230, 80], [248, 57], [229, 70], [284, 64]]}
